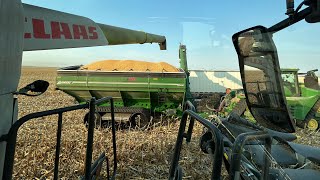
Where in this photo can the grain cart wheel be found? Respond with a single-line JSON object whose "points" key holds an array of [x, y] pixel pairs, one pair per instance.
{"points": [[98, 120], [139, 120], [312, 124]]}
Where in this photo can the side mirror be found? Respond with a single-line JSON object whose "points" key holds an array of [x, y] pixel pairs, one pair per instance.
{"points": [[314, 16], [253, 41], [34, 89], [261, 78]]}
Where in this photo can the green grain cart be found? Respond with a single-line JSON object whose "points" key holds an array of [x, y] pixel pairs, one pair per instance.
{"points": [[137, 95]]}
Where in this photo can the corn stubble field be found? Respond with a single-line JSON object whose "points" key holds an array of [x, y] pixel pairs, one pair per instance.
{"points": [[141, 154]]}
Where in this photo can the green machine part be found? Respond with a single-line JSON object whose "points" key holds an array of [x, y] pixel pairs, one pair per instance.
{"points": [[155, 91], [302, 101], [290, 82], [184, 66], [306, 92], [183, 57], [150, 90], [118, 35], [301, 106]]}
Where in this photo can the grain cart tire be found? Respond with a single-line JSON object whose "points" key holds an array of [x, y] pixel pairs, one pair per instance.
{"points": [[139, 120], [98, 120], [312, 124]]}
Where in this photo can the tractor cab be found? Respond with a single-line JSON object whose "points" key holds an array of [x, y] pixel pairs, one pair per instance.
{"points": [[290, 82], [295, 88]]}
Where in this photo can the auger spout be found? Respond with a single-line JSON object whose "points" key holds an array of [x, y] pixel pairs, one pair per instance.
{"points": [[117, 35]]}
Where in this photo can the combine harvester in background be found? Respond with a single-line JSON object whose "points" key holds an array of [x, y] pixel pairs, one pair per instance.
{"points": [[25, 27], [140, 89]]}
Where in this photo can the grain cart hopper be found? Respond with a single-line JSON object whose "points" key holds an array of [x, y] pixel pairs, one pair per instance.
{"points": [[25, 27], [140, 89], [263, 150], [303, 99]]}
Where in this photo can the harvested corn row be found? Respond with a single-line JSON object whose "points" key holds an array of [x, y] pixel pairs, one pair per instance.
{"points": [[130, 65]]}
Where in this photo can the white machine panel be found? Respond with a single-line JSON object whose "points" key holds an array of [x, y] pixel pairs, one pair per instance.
{"points": [[49, 29]]}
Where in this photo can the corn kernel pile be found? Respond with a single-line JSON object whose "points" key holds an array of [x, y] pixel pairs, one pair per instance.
{"points": [[130, 65]]}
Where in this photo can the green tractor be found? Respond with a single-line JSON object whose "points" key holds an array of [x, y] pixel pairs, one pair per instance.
{"points": [[302, 98]]}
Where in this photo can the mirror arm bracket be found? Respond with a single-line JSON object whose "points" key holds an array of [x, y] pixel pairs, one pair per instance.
{"points": [[290, 7], [290, 21]]}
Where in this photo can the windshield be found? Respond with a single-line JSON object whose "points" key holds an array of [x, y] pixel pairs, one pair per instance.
{"points": [[44, 38], [290, 83]]}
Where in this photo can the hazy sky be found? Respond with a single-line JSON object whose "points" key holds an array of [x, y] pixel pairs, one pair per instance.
{"points": [[204, 26]]}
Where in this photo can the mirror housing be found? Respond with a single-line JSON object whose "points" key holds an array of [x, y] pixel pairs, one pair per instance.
{"points": [[252, 41], [36, 88], [314, 16], [261, 78]]}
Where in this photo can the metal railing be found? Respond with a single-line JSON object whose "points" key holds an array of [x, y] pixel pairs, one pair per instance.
{"points": [[175, 170], [215, 148], [237, 153], [90, 168]]}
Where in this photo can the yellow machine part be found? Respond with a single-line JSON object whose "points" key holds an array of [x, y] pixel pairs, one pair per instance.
{"points": [[130, 65], [312, 124]]}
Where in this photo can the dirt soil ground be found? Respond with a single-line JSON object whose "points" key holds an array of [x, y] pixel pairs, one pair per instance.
{"points": [[141, 154]]}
